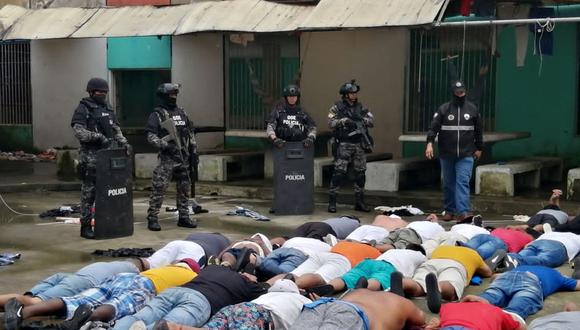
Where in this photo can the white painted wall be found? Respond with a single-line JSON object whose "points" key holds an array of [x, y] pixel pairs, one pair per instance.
{"points": [[198, 66], [376, 58], [60, 70]]}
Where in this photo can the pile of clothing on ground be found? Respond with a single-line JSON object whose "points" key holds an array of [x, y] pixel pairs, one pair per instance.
{"points": [[46, 155]]}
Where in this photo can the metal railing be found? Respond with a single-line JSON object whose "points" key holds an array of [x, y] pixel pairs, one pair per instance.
{"points": [[15, 89], [428, 80]]}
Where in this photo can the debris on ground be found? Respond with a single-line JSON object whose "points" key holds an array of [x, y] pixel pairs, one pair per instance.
{"points": [[48, 155], [62, 211], [244, 212]]}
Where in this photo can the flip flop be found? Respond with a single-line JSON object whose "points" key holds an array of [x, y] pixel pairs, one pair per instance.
{"points": [[433, 294], [397, 284]]}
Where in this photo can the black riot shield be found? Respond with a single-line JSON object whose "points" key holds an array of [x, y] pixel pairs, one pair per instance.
{"points": [[114, 199], [293, 179]]}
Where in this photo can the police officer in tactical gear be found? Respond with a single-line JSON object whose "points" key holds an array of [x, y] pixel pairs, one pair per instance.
{"points": [[349, 121], [460, 130], [289, 122], [95, 126], [173, 161]]}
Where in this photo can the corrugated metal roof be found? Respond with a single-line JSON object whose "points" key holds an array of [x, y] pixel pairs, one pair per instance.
{"points": [[133, 21], [8, 15], [208, 16], [54, 23], [332, 14], [244, 16]]}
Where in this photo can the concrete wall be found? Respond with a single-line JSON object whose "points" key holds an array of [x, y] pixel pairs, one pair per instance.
{"points": [[376, 58], [198, 66], [60, 70]]}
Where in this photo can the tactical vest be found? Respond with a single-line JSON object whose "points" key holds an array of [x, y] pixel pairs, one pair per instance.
{"points": [[99, 119], [180, 119], [291, 126], [353, 112]]}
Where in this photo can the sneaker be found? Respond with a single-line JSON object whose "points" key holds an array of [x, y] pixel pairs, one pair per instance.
{"points": [[12, 314], [433, 294], [213, 260], [138, 325], [547, 228], [477, 220], [510, 263], [496, 259], [80, 317], [362, 283], [330, 239], [397, 284]]}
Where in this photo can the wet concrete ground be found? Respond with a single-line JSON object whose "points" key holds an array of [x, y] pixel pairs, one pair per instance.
{"points": [[48, 247]]}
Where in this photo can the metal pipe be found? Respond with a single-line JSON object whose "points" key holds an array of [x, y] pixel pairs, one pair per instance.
{"points": [[510, 21]]}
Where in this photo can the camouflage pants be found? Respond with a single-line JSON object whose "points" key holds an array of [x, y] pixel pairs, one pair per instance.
{"points": [[346, 154], [87, 172], [162, 175]]}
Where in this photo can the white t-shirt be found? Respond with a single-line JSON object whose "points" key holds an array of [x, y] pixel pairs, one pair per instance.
{"points": [[571, 241], [175, 251], [405, 261], [308, 246], [468, 231], [426, 229], [284, 307], [366, 233]]}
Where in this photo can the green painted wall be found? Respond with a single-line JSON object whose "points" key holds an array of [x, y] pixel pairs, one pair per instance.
{"points": [[545, 105], [139, 53], [16, 138]]}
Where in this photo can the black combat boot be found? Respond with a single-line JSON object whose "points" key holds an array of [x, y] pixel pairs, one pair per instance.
{"points": [[187, 222], [332, 203], [153, 224], [87, 229], [359, 204]]}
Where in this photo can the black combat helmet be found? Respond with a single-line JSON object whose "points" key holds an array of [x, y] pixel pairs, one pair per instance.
{"points": [[291, 90], [167, 89], [349, 87], [97, 84]]}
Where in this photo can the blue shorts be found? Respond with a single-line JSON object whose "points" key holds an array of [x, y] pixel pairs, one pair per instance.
{"points": [[378, 270]]}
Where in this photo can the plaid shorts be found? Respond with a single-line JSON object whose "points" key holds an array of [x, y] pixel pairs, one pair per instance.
{"points": [[126, 292]]}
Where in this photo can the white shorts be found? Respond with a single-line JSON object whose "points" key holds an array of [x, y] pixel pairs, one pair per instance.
{"points": [[326, 264], [175, 251], [446, 270]]}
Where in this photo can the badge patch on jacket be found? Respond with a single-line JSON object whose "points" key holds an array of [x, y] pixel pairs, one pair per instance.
{"points": [[451, 117], [466, 116]]}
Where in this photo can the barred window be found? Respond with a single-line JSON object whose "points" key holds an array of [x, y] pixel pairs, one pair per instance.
{"points": [[15, 89]]}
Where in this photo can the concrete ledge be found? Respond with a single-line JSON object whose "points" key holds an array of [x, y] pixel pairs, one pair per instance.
{"points": [[144, 165], [552, 168], [573, 183], [222, 167], [321, 162], [387, 175], [502, 179]]}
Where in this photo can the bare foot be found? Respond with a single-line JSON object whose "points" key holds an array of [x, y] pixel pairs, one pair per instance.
{"points": [[432, 217], [571, 307], [555, 198]]}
